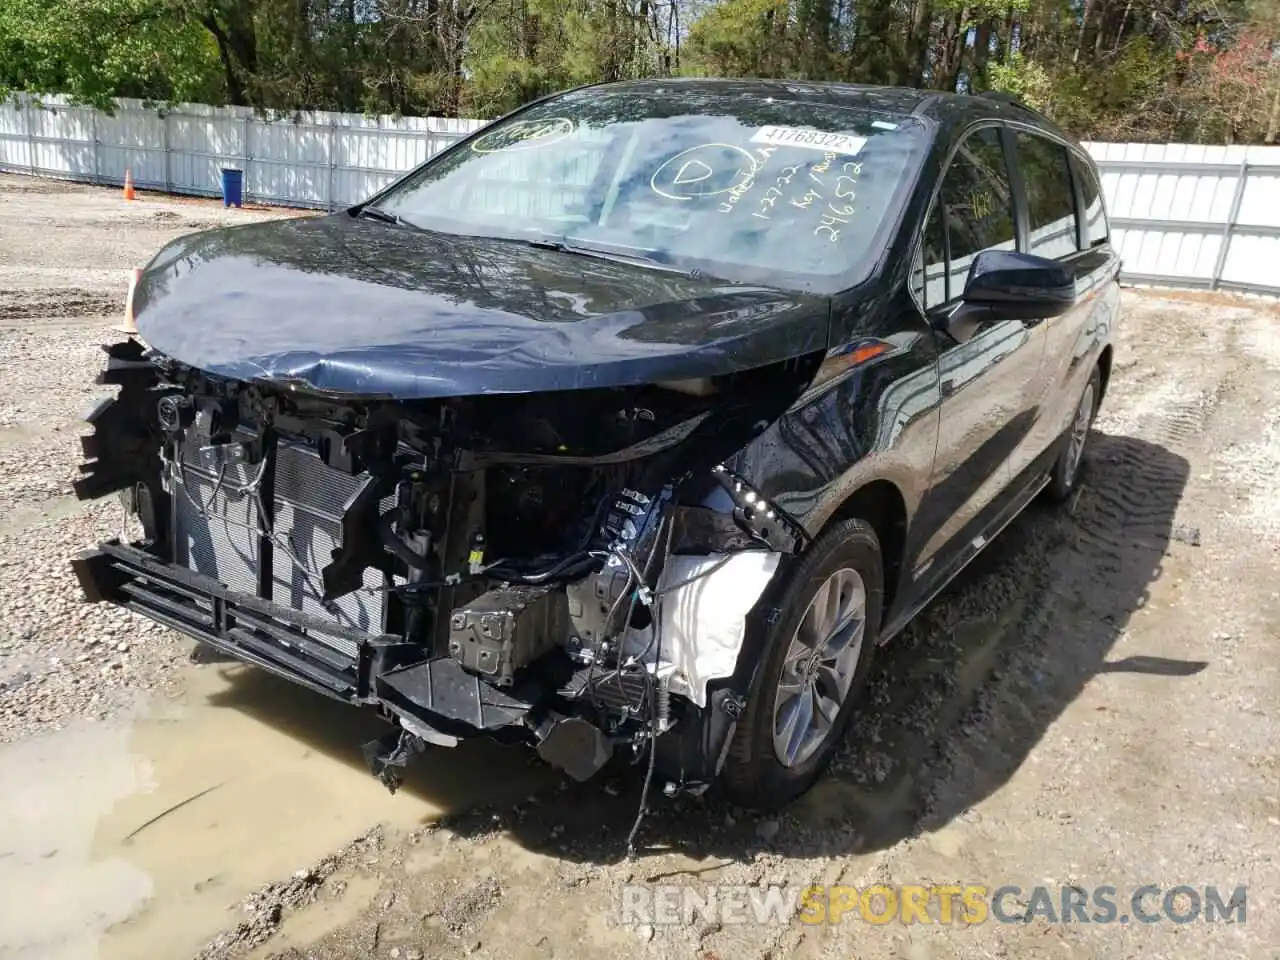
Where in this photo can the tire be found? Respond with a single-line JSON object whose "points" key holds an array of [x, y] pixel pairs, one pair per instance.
{"points": [[1069, 467], [755, 773]]}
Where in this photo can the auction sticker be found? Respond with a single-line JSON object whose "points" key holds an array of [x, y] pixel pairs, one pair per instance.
{"points": [[808, 137]]}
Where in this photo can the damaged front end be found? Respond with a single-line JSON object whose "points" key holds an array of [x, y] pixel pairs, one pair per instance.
{"points": [[573, 569]]}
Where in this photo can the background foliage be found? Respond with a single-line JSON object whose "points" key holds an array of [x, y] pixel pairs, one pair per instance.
{"points": [[1202, 70]]}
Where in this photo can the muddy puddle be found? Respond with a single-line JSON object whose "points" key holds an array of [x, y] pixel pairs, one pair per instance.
{"points": [[136, 837]]}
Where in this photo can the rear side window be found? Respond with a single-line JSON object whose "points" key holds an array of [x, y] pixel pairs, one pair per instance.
{"points": [[1095, 215], [1051, 203], [973, 212]]}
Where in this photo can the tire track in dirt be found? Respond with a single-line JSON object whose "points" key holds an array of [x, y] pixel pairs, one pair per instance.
{"points": [[1245, 435], [71, 302]]}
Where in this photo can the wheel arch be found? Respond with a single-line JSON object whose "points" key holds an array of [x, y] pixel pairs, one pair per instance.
{"points": [[1104, 370], [881, 504]]}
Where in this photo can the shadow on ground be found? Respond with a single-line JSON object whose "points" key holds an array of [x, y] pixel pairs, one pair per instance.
{"points": [[953, 709]]}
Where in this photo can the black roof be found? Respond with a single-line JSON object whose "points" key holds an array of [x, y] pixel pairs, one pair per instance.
{"points": [[947, 109]]}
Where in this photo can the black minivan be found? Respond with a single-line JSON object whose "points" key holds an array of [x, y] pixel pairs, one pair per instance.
{"points": [[630, 424]]}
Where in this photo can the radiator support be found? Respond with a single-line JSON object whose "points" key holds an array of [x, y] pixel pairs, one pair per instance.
{"points": [[221, 513]]}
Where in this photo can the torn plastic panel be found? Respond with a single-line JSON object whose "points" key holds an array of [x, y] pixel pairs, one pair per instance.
{"points": [[468, 565], [130, 454]]}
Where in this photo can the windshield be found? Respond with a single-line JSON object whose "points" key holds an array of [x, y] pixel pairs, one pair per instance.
{"points": [[742, 187]]}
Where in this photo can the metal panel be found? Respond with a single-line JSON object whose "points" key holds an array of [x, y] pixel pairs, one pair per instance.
{"points": [[1194, 215], [1201, 283], [215, 530]]}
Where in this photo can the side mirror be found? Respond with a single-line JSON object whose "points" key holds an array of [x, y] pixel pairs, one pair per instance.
{"points": [[1019, 286]]}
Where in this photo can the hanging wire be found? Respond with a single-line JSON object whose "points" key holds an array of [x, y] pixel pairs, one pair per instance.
{"points": [[653, 750]]}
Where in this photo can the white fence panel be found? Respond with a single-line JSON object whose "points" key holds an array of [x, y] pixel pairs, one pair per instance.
{"points": [[200, 140], [132, 140], [15, 147], [62, 141], [1181, 214], [313, 159], [1194, 215], [288, 160]]}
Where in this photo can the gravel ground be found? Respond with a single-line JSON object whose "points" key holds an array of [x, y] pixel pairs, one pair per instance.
{"points": [[1093, 703], [65, 253]]}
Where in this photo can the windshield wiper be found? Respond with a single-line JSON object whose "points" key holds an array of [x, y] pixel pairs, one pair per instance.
{"points": [[377, 213], [564, 246]]}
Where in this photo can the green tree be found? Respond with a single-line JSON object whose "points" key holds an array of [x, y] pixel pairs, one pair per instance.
{"points": [[94, 50], [1128, 69]]}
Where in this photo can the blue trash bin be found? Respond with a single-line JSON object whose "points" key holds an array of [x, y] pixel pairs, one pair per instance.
{"points": [[232, 186]]}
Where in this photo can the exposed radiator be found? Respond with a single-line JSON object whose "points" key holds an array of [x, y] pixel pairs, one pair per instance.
{"points": [[216, 533]]}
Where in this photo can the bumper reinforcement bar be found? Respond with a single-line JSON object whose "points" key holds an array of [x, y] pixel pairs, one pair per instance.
{"points": [[385, 671], [276, 638]]}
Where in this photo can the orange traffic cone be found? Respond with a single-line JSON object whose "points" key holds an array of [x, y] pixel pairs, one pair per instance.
{"points": [[128, 185], [129, 325]]}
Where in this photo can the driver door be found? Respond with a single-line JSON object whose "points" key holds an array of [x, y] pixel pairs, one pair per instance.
{"points": [[988, 373]]}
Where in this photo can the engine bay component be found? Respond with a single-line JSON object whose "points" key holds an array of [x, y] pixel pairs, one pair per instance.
{"points": [[389, 755], [508, 628], [596, 603], [577, 747], [174, 413], [625, 692]]}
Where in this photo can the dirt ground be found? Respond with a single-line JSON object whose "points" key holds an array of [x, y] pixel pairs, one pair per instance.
{"points": [[1095, 703]]}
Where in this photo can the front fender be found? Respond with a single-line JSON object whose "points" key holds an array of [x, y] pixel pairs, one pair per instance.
{"points": [[875, 420]]}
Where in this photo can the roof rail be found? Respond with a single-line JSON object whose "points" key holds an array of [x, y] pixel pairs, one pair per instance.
{"points": [[1001, 96]]}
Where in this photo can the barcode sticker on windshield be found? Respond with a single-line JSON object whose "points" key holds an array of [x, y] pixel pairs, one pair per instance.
{"points": [[808, 137]]}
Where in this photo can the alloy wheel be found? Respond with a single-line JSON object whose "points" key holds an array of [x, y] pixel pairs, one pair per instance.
{"points": [[819, 667], [1079, 433]]}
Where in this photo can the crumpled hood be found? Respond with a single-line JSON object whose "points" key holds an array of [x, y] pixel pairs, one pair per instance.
{"points": [[360, 307]]}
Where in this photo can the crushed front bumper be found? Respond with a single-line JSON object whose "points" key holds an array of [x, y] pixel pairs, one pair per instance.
{"points": [[430, 699]]}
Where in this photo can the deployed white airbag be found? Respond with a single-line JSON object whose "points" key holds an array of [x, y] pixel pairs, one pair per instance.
{"points": [[702, 623]]}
